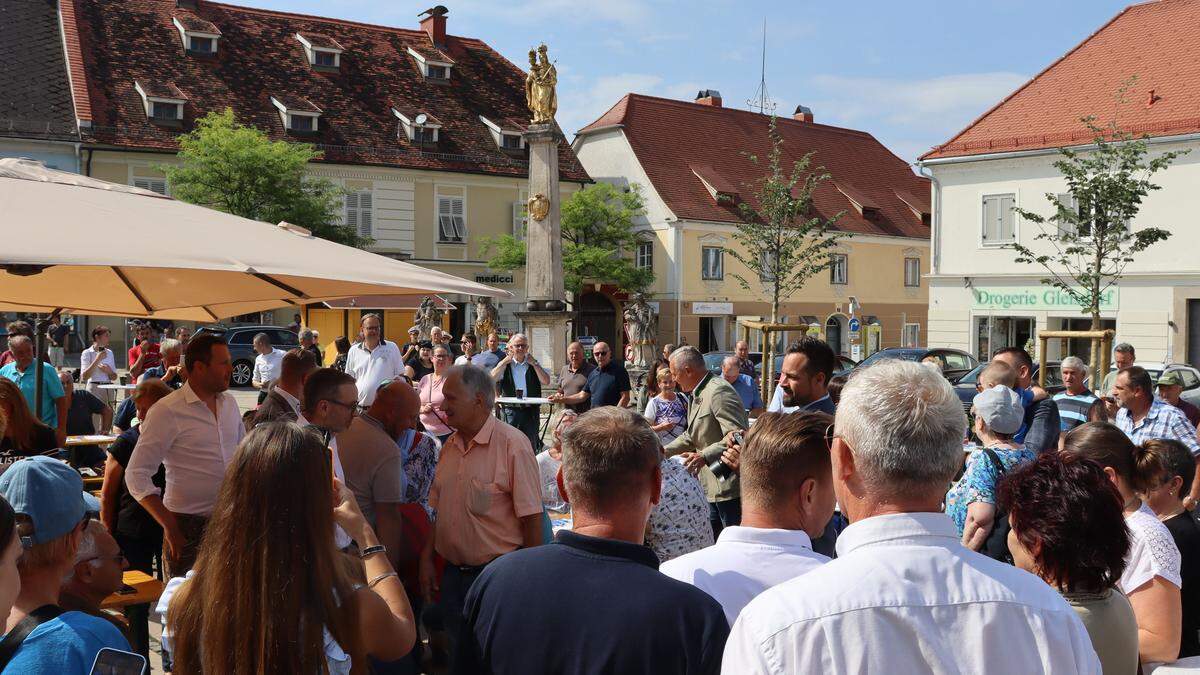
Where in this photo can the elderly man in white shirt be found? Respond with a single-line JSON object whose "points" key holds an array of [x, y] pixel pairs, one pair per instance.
{"points": [[193, 432], [787, 499], [372, 361], [903, 595]]}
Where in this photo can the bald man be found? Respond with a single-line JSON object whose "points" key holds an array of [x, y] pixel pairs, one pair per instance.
{"points": [[572, 379], [374, 463], [608, 384]]}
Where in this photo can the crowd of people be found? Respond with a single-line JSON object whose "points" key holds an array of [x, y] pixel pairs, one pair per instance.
{"points": [[384, 513]]}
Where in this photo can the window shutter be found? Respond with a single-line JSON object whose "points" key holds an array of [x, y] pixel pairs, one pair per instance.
{"points": [[365, 214], [152, 184], [991, 217], [1007, 219], [351, 201]]}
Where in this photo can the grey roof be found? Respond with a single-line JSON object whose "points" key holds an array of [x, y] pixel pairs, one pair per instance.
{"points": [[35, 94]]}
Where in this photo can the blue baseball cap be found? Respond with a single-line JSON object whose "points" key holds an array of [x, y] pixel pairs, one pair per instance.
{"points": [[50, 493]]}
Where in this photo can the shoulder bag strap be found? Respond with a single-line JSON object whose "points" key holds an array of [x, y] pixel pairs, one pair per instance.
{"points": [[16, 636], [995, 459]]}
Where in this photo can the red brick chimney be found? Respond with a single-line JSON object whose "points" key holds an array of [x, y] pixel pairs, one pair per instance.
{"points": [[803, 114], [709, 97], [435, 23]]}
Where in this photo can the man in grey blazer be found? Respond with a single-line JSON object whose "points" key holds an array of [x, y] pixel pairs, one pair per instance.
{"points": [[284, 400]]}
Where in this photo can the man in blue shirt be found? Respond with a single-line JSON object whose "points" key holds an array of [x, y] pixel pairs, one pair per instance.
{"points": [[743, 384], [646, 621], [488, 359], [52, 510], [23, 371]]}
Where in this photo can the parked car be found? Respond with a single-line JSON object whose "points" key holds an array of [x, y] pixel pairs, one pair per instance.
{"points": [[955, 362], [1189, 374], [965, 387], [241, 346], [713, 360]]}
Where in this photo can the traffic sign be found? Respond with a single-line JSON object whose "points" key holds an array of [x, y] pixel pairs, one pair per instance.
{"points": [[854, 325]]}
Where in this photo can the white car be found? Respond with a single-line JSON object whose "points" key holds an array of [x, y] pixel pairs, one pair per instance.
{"points": [[1189, 374]]}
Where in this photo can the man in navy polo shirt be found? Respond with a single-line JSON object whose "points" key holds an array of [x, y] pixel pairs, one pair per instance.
{"points": [[608, 383], [647, 623]]}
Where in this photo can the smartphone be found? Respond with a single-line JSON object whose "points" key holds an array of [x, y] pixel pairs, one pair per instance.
{"points": [[126, 589], [116, 662]]}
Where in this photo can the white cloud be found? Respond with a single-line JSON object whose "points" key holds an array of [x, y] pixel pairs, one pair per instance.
{"points": [[581, 104], [531, 12]]}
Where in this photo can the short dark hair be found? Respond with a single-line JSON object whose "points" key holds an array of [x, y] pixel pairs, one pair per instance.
{"points": [[342, 344], [834, 388], [296, 364], [470, 337], [781, 452], [199, 349], [821, 358], [1070, 517], [1023, 356], [1139, 378], [605, 453], [20, 327], [1166, 458], [322, 385], [98, 331]]}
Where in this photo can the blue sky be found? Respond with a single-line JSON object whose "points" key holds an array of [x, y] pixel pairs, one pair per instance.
{"points": [[912, 73]]}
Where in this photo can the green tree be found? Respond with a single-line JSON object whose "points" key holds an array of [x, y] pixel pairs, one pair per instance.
{"points": [[597, 231], [237, 169], [781, 240], [1088, 242]]}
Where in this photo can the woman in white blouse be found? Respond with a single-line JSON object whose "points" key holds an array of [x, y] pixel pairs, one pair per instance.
{"points": [[1151, 578], [97, 365]]}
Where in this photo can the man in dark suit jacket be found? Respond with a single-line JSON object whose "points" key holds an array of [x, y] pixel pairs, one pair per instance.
{"points": [[283, 402]]}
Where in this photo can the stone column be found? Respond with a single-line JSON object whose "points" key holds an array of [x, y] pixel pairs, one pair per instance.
{"points": [[543, 258]]}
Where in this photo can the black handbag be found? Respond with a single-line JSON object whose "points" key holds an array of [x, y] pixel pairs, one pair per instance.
{"points": [[996, 544]]}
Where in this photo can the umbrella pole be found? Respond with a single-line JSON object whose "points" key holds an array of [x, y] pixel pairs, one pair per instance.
{"points": [[39, 346]]}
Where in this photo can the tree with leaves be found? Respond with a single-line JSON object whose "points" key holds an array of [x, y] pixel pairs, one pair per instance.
{"points": [[236, 168], [1088, 242], [781, 240], [597, 232]]}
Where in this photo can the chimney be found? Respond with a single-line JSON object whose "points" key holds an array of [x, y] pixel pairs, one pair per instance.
{"points": [[709, 97], [435, 24], [803, 114]]}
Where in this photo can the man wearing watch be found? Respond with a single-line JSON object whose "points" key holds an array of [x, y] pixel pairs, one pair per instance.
{"points": [[520, 375]]}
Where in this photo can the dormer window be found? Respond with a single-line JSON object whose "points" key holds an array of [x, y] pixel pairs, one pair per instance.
{"points": [[322, 51], [434, 64], [419, 127], [199, 37], [163, 102], [508, 133], [298, 115]]}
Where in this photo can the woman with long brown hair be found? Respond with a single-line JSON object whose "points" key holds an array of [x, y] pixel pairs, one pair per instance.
{"points": [[1151, 578], [270, 593], [25, 435]]}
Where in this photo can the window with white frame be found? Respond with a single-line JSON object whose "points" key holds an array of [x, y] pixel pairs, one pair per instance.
{"points": [[360, 213], [520, 215], [839, 269], [912, 272], [644, 257], [437, 72], [999, 221], [424, 135], [712, 260], [302, 122], [158, 185], [201, 45], [510, 141], [911, 335], [452, 225], [166, 111]]}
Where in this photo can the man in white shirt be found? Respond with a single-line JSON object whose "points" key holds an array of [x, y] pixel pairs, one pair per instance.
{"points": [[903, 595], [193, 432], [266, 365], [787, 497], [372, 361]]}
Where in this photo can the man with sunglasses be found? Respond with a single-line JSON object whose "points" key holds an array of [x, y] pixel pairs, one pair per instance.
{"points": [[607, 384], [99, 566], [519, 374]]}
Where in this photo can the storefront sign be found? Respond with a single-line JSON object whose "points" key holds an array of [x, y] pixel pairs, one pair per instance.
{"points": [[712, 308], [1039, 298], [493, 278]]}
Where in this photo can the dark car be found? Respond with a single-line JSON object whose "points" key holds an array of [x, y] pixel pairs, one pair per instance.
{"points": [[241, 346], [955, 363], [713, 360], [965, 387]]}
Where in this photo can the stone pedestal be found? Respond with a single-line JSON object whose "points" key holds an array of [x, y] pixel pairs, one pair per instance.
{"points": [[543, 256], [548, 339], [639, 397]]}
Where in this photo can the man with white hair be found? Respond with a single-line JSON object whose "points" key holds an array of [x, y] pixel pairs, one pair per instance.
{"points": [[1076, 402], [904, 595], [519, 374], [308, 342], [99, 566]]}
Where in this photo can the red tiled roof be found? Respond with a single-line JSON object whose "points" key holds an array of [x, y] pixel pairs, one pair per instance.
{"points": [[321, 41], [431, 53], [296, 103], [194, 23], [1156, 41], [410, 113], [35, 90], [161, 90], [260, 57], [673, 139]]}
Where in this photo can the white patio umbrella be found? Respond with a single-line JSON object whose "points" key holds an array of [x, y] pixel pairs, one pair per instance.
{"points": [[92, 247]]}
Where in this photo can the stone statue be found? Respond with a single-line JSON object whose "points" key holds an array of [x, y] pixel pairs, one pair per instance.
{"points": [[640, 325], [426, 317], [487, 321], [540, 95]]}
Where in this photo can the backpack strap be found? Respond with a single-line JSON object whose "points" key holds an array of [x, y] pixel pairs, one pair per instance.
{"points": [[16, 636]]}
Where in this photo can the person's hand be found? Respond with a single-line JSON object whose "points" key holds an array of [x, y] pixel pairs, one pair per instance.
{"points": [[345, 509], [1189, 503], [693, 462], [426, 409], [174, 540], [427, 576], [981, 518], [555, 397], [1111, 407], [60, 435], [731, 456], [729, 439]]}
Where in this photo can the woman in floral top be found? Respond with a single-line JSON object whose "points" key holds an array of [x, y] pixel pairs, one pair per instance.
{"points": [[679, 522], [971, 503]]}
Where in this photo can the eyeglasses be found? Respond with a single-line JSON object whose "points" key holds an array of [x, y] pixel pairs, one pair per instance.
{"points": [[348, 406], [599, 352], [829, 436], [120, 557]]}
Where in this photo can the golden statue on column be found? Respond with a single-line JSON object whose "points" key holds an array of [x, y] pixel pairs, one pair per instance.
{"points": [[540, 95]]}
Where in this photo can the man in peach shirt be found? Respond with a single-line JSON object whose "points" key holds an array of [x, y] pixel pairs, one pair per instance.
{"points": [[487, 493]]}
